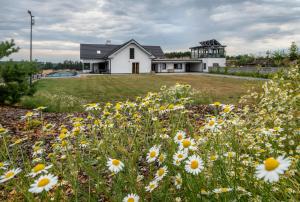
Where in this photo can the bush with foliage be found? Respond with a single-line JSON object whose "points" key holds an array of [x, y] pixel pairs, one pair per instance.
{"points": [[154, 149], [15, 77], [16, 80]]}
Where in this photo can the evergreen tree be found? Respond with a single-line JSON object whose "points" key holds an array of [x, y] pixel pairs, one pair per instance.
{"points": [[293, 51]]}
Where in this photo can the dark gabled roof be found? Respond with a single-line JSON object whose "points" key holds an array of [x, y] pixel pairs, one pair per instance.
{"points": [[209, 43], [155, 50], [89, 51]]}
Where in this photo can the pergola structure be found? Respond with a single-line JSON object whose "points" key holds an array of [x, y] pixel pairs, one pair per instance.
{"points": [[208, 49]]}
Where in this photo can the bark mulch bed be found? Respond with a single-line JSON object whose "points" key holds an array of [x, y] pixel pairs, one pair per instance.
{"points": [[10, 117]]}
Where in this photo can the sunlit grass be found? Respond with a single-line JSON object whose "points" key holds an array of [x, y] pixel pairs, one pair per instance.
{"points": [[110, 88]]}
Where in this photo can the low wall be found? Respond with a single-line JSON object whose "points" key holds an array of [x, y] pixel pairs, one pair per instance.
{"points": [[232, 70]]}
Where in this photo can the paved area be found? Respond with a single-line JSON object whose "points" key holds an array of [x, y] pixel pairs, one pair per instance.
{"points": [[214, 75]]}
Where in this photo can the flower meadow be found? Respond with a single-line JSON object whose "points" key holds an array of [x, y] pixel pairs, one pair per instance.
{"points": [[156, 149]]}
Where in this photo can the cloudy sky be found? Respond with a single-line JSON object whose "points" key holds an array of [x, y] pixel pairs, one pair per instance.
{"points": [[61, 25]]}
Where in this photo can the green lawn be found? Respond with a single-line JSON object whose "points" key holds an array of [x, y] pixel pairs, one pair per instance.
{"points": [[70, 93]]}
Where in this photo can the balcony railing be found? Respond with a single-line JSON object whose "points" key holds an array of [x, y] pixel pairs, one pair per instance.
{"points": [[209, 55]]}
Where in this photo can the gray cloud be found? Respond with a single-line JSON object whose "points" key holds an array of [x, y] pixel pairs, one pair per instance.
{"points": [[244, 26]]}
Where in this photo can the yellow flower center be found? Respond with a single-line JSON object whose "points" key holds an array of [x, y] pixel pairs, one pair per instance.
{"points": [[152, 186], [9, 174], [178, 180], [226, 109], [211, 123], [224, 189], [64, 143], [230, 154], [194, 164], [213, 158], [115, 162], [179, 137], [2, 130], [1, 164], [161, 158], [62, 136], [152, 154], [217, 103], [180, 156], [161, 171], [271, 164], [130, 200], [39, 167], [186, 143], [43, 182]]}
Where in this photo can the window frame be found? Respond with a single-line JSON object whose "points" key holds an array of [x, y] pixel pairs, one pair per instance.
{"points": [[131, 53], [178, 66]]}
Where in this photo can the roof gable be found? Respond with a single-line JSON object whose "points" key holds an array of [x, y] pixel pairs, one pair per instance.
{"points": [[123, 46], [89, 51]]}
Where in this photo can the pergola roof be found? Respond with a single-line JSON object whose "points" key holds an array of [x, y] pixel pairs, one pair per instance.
{"points": [[209, 43]]}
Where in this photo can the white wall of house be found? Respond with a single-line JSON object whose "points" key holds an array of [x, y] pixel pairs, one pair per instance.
{"points": [[121, 63], [170, 67], [210, 63]]}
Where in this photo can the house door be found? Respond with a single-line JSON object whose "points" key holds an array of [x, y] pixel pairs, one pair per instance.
{"points": [[135, 68]]}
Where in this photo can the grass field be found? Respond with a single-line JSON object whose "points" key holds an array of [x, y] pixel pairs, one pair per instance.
{"points": [[70, 93]]}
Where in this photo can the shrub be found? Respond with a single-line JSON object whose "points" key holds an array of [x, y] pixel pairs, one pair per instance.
{"points": [[16, 81]]}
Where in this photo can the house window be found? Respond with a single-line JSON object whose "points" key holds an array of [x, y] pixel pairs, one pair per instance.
{"points": [[215, 64], [98, 52], [204, 66], [163, 66], [177, 66], [131, 56], [86, 66]]}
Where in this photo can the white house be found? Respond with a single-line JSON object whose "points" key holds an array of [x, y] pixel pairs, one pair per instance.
{"points": [[131, 57]]}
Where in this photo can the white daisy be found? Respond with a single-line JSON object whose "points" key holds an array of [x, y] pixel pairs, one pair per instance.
{"points": [[45, 182], [38, 169], [131, 198], [161, 158], [212, 124], [180, 135], [178, 181], [115, 165], [271, 168], [194, 165], [83, 144], [3, 165], [227, 108], [9, 175], [222, 190], [152, 185], [179, 156], [153, 154], [161, 173], [187, 144], [92, 107], [230, 154]]}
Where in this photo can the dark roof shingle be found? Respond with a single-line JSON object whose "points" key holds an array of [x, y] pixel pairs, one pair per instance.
{"points": [[89, 51]]}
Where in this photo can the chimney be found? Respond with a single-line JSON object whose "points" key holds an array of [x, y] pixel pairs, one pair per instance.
{"points": [[108, 42]]}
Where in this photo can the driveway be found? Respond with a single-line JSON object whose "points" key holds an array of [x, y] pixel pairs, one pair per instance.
{"points": [[214, 75]]}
